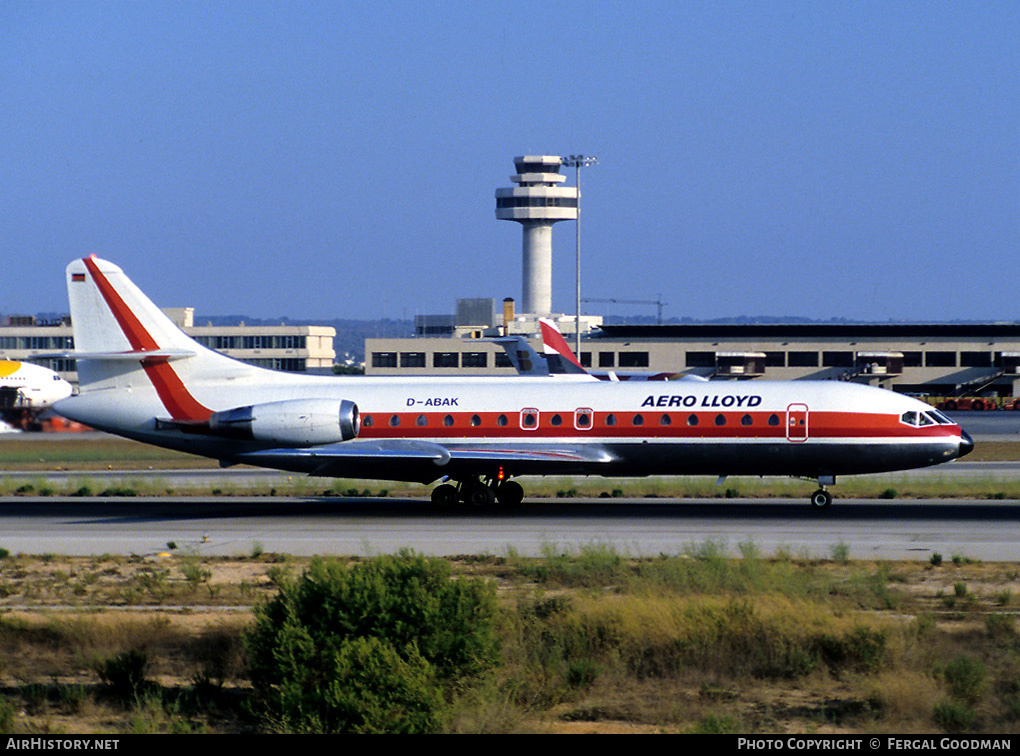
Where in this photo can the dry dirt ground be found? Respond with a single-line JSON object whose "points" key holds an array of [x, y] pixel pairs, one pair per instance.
{"points": [[59, 615]]}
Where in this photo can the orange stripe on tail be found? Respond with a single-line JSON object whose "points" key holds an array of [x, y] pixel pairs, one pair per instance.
{"points": [[175, 397]]}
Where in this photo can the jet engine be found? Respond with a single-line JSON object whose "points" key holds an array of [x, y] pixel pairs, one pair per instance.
{"points": [[296, 422]]}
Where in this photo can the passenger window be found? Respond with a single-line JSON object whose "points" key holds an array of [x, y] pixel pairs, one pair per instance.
{"points": [[529, 419], [367, 421], [720, 419], [692, 420], [610, 419], [746, 420], [422, 421], [502, 421], [773, 419], [557, 420], [665, 420], [582, 419], [448, 421], [475, 421], [639, 420], [394, 421]]}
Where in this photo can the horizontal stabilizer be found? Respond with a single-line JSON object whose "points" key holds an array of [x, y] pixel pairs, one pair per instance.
{"points": [[168, 354]]}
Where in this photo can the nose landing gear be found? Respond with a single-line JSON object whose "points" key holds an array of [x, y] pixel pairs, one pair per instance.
{"points": [[822, 499]]}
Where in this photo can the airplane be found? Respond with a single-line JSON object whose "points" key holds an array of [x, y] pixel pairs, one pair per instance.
{"points": [[26, 389], [142, 378], [553, 362], [555, 346], [558, 360]]}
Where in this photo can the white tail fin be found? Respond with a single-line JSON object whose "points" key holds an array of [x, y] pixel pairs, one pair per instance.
{"points": [[525, 360], [121, 337]]}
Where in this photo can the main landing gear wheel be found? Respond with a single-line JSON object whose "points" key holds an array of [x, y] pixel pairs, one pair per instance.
{"points": [[444, 496], [821, 499], [480, 495], [510, 493]]}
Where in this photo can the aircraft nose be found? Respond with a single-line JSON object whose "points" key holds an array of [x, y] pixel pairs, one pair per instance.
{"points": [[966, 444]]}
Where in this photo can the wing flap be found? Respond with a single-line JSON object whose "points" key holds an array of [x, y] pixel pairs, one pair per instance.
{"points": [[531, 453], [424, 461], [439, 454], [354, 450]]}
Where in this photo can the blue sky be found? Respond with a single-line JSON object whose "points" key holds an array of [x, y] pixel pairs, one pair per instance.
{"points": [[339, 159]]}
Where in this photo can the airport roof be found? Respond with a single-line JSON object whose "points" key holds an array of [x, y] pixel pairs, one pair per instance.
{"points": [[811, 330]]}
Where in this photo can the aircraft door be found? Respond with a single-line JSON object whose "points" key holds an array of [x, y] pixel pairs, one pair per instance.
{"points": [[797, 422]]}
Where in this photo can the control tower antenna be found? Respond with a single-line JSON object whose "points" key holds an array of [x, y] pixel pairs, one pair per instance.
{"points": [[537, 202]]}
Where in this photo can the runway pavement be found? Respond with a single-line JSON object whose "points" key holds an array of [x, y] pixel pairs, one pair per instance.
{"points": [[865, 529], [990, 426]]}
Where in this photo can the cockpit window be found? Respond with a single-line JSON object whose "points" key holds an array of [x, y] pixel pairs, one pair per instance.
{"points": [[924, 419], [910, 418]]}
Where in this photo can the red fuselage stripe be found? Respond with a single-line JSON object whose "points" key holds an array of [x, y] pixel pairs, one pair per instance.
{"points": [[171, 390], [561, 425]]}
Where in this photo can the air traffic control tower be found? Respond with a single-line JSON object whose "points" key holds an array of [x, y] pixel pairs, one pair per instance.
{"points": [[537, 202]]}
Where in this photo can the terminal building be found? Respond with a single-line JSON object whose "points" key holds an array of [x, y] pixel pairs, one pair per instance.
{"points": [[939, 359], [292, 348]]}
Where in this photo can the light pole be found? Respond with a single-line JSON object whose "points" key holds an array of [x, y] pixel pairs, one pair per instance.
{"points": [[578, 162]]}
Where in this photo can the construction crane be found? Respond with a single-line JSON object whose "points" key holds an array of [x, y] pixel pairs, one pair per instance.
{"points": [[659, 303]]}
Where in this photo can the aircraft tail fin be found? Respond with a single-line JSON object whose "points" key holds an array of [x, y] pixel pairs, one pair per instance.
{"points": [[556, 358], [557, 351], [118, 330], [525, 360]]}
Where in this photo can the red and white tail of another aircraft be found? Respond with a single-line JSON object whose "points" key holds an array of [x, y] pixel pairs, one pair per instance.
{"points": [[557, 351], [143, 378], [559, 361]]}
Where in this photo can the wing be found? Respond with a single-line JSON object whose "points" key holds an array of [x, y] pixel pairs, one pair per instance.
{"points": [[424, 461]]}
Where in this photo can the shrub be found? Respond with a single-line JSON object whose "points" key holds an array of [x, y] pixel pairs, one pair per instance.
{"points": [[861, 649], [953, 716], [840, 552], [124, 673], [364, 685], [966, 678], [369, 647], [1000, 626], [718, 724], [7, 713]]}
